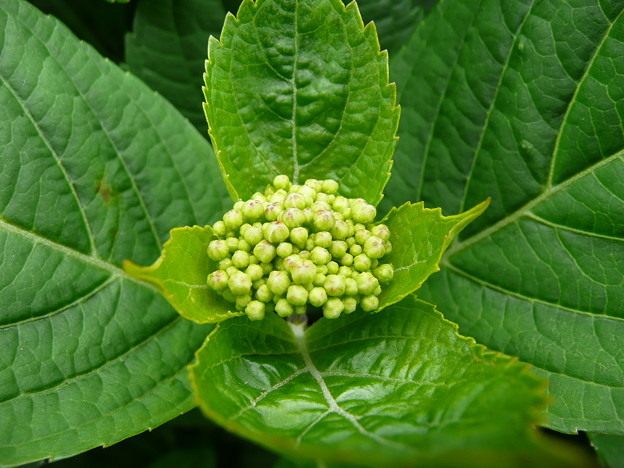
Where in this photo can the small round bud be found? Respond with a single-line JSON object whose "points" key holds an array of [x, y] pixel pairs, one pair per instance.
{"points": [[340, 229], [255, 272], [355, 250], [281, 182], [320, 256], [315, 184], [228, 296], [309, 214], [264, 294], [232, 243], [374, 247], [264, 251], [369, 303], [308, 192], [244, 245], [225, 264], [319, 279], [278, 197], [278, 282], [303, 272], [384, 273], [218, 250], [320, 206], [266, 267], [388, 247], [340, 204], [255, 310], [320, 196], [335, 285], [323, 220], [240, 259], [261, 197], [258, 283], [304, 254], [253, 235], [219, 228], [346, 260], [277, 232], [345, 272], [252, 209], [297, 295], [363, 213], [329, 186], [284, 249], [338, 248], [361, 236], [233, 219], [332, 267], [350, 241], [239, 283], [317, 297], [253, 260], [218, 280], [284, 308], [310, 244], [242, 301], [367, 283], [292, 217], [323, 239], [333, 308], [350, 304], [351, 287], [299, 236], [273, 211], [381, 231], [362, 263], [295, 200]]}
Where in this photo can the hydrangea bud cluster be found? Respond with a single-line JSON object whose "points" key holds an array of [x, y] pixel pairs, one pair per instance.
{"points": [[297, 247]]}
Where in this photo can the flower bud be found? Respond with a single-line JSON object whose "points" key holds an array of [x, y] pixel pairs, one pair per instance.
{"points": [[273, 211], [299, 236], [384, 273], [340, 229], [361, 236], [315, 184], [232, 243], [335, 285], [278, 197], [264, 251], [329, 186], [346, 260], [225, 264], [362, 263], [320, 196], [320, 206], [363, 213], [350, 304], [320, 256], [367, 283], [255, 310], [369, 303], [281, 182], [239, 283], [374, 247], [323, 239], [381, 231], [319, 279], [243, 245], [388, 247], [261, 197], [292, 217], [253, 235], [355, 250], [351, 287], [323, 220], [308, 192], [238, 205], [252, 209], [233, 219], [253, 260], [340, 204], [242, 301], [303, 272], [218, 250], [345, 272], [310, 244], [332, 267], [218, 280], [255, 272], [297, 295], [338, 248], [294, 200], [219, 228], [333, 308], [264, 294], [278, 282], [240, 259], [284, 308], [277, 232], [309, 215], [284, 249], [317, 297], [266, 267]]}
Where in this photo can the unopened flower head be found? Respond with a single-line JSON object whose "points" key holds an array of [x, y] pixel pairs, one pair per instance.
{"points": [[299, 248]]}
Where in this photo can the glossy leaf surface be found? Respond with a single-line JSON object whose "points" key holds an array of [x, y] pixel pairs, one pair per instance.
{"points": [[300, 88], [94, 168], [399, 386], [610, 449], [537, 126]]}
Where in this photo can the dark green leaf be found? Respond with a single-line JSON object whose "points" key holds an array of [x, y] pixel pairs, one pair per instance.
{"points": [[524, 102], [94, 168], [610, 449], [300, 88], [395, 387]]}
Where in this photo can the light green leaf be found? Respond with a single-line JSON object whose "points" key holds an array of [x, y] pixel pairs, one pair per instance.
{"points": [[395, 387], [523, 102], [94, 168], [180, 275], [300, 88], [419, 238], [610, 449], [167, 50]]}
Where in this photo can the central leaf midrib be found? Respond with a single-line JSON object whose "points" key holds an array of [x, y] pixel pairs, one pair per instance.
{"points": [[294, 106]]}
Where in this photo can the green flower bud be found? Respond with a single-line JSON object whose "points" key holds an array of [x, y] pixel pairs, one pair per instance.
{"points": [[244, 245], [304, 254], [362, 263], [381, 231], [300, 310], [233, 219], [294, 188], [299, 236], [278, 197], [264, 294], [218, 250], [351, 287], [317, 297], [332, 267], [322, 197], [350, 304], [273, 211], [255, 310], [292, 217], [388, 247], [335, 285], [284, 308], [333, 308], [319, 279], [309, 214], [350, 241], [255, 272], [219, 228], [374, 247], [253, 235], [310, 244], [264, 251], [345, 272], [232, 243], [294, 200], [252, 209], [242, 301], [291, 261], [303, 272], [341, 204], [323, 239], [367, 283], [384, 273], [369, 303], [238, 205], [362, 235], [323, 220], [278, 282], [253, 260], [346, 260], [320, 206], [329, 186], [297, 295], [218, 280], [228, 296], [239, 283], [322, 269], [307, 191], [320, 256], [261, 197], [338, 248], [225, 264], [363, 212], [259, 283], [277, 232], [231, 270], [284, 249], [266, 267], [281, 182], [315, 184], [377, 291], [340, 229], [240, 259], [355, 250]]}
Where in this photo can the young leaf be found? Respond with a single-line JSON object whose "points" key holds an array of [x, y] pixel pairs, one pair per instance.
{"points": [[522, 102], [397, 388], [95, 168], [610, 449], [180, 275], [300, 88]]}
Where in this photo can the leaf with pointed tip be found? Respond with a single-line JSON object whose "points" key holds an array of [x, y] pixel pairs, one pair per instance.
{"points": [[94, 168], [395, 387], [301, 88], [524, 102], [180, 275]]}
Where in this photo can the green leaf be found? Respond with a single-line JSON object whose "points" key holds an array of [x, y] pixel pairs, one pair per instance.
{"points": [[300, 88], [167, 50], [610, 449], [399, 386], [180, 275], [523, 102], [95, 168], [419, 238]]}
